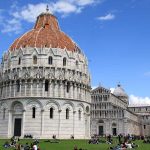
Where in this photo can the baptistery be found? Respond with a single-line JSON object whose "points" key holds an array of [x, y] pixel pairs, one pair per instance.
{"points": [[45, 85]]}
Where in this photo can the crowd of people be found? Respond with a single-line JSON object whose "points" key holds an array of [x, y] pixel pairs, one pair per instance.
{"points": [[119, 143], [14, 143], [124, 142]]}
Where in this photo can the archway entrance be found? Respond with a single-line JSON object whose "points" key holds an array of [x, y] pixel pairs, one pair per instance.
{"points": [[17, 118], [114, 129], [100, 127], [17, 127], [101, 130]]}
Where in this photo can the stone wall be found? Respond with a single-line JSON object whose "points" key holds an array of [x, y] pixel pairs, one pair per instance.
{"points": [[42, 126]]}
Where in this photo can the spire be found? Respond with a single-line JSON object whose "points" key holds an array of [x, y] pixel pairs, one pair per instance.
{"points": [[47, 8], [119, 85]]}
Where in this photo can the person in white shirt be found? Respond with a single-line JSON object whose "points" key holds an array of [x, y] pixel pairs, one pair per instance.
{"points": [[35, 147]]}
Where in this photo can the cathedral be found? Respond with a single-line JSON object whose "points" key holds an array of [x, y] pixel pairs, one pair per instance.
{"points": [[45, 85], [112, 114], [45, 91]]}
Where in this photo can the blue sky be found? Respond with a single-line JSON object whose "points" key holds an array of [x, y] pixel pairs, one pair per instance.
{"points": [[114, 34]]}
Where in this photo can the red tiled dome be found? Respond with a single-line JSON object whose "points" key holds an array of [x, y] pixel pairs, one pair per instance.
{"points": [[46, 33]]}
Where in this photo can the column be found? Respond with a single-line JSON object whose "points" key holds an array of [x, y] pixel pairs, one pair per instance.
{"points": [[14, 88], [43, 88], [85, 97], [9, 123], [25, 92], [60, 89], [6, 89], [49, 90], [65, 85], [71, 90], [31, 86], [74, 90], [37, 87], [79, 91], [42, 121], [125, 126], [55, 89], [10, 88], [59, 122], [74, 122], [82, 91], [23, 123], [20, 88]]}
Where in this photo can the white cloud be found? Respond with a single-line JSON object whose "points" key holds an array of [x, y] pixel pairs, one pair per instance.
{"points": [[84, 2], [107, 17], [28, 13], [136, 100], [12, 25], [94, 87], [62, 7], [65, 8], [112, 90]]}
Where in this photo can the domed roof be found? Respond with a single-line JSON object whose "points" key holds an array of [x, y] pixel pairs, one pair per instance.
{"points": [[46, 33], [119, 91]]}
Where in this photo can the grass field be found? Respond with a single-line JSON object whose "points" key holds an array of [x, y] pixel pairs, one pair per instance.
{"points": [[69, 145]]}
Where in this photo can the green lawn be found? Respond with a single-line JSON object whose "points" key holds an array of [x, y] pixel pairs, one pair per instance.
{"points": [[69, 145]]}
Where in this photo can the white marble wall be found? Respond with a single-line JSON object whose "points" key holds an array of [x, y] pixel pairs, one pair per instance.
{"points": [[42, 126], [32, 93]]}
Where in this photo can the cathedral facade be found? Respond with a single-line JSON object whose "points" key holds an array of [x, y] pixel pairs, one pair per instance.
{"points": [[112, 114], [45, 85]]}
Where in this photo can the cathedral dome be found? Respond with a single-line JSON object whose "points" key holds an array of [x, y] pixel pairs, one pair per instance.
{"points": [[46, 33], [119, 91]]}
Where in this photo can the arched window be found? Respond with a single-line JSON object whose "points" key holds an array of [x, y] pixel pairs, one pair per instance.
{"points": [[18, 86], [51, 113], [19, 61], [1, 90], [68, 87], [34, 59], [77, 64], [67, 113], [79, 114], [46, 85], [50, 60], [33, 112], [100, 121], [114, 124], [87, 109], [64, 61], [4, 113]]}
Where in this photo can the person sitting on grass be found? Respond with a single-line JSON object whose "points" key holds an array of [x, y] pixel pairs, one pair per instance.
{"points": [[36, 141], [128, 145], [109, 139], [54, 137], [72, 137], [134, 145], [26, 147], [35, 147], [75, 148], [94, 141], [6, 144]]}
